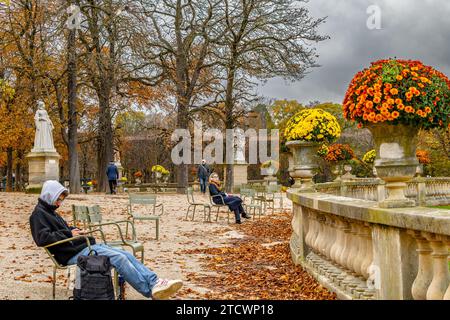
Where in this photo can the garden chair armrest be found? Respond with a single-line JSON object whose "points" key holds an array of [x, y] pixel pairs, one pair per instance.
{"points": [[116, 224], [218, 195], [68, 240]]}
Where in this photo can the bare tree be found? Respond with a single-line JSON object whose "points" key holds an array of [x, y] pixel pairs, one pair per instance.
{"points": [[262, 39], [181, 36]]}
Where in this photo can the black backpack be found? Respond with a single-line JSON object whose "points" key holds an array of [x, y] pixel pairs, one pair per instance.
{"points": [[93, 279]]}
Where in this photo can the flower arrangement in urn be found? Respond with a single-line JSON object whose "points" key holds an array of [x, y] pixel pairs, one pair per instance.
{"points": [[394, 99], [160, 171], [314, 125], [304, 133], [338, 154], [369, 156], [424, 160], [423, 156], [399, 92], [138, 175], [269, 168]]}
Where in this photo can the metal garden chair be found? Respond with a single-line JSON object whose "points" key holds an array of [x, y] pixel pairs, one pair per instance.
{"points": [[57, 266], [251, 201], [219, 205], [147, 200], [192, 203], [96, 221]]}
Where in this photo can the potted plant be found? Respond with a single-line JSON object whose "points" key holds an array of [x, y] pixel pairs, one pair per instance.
{"points": [[424, 159], [339, 155], [369, 159], [269, 168], [394, 99], [304, 132], [159, 171], [138, 176]]}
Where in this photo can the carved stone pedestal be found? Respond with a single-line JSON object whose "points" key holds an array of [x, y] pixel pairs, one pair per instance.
{"points": [[42, 166]]}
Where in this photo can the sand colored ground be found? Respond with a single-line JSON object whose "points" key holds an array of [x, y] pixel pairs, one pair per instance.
{"points": [[26, 269]]}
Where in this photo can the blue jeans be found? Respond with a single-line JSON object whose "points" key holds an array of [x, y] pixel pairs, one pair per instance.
{"points": [[134, 272], [202, 185]]}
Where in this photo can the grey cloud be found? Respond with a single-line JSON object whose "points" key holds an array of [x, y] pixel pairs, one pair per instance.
{"points": [[411, 29]]}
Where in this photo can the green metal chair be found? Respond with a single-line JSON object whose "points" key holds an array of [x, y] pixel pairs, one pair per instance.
{"points": [[273, 193], [96, 221], [80, 216], [192, 203], [57, 266], [218, 206], [147, 200], [251, 201]]}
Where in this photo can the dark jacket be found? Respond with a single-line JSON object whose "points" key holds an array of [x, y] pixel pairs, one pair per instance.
{"points": [[233, 202], [48, 227], [112, 172], [203, 171]]}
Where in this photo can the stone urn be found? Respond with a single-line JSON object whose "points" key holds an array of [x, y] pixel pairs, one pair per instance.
{"points": [[347, 175], [305, 163], [337, 170], [291, 162], [396, 161]]}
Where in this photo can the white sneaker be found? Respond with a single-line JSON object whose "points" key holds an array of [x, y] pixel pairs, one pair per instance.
{"points": [[165, 288]]}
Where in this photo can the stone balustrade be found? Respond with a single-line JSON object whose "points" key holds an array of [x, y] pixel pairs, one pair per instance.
{"points": [[361, 251], [426, 191]]}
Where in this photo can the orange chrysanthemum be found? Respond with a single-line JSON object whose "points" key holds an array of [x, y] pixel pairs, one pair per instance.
{"points": [[423, 87]]}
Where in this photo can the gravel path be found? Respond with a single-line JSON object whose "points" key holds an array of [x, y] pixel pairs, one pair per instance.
{"points": [[26, 270]]}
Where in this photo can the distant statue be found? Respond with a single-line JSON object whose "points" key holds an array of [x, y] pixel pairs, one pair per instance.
{"points": [[43, 140], [239, 145]]}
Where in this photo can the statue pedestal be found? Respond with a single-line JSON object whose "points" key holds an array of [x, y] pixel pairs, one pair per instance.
{"points": [[42, 166], [271, 180], [240, 173]]}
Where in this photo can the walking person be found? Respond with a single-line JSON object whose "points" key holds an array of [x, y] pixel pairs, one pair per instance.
{"points": [[203, 173], [113, 174], [234, 202], [48, 227]]}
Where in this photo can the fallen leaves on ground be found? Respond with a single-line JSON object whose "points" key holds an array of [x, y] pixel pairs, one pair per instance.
{"points": [[258, 266]]}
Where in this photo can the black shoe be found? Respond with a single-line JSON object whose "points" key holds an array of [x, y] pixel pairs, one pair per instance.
{"points": [[239, 222], [246, 216]]}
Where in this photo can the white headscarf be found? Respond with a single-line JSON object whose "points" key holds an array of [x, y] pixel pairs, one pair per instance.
{"points": [[51, 190]]}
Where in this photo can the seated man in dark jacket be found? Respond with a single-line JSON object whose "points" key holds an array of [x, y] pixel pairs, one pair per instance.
{"points": [[234, 203], [47, 227]]}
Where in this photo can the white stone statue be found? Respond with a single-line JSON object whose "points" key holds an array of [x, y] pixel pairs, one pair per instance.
{"points": [[43, 140], [239, 145]]}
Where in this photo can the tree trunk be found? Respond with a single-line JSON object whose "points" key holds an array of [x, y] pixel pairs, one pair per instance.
{"points": [[74, 166], [182, 169], [105, 150], [9, 169], [18, 186], [229, 122]]}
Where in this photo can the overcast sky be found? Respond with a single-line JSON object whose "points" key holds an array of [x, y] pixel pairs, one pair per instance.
{"points": [[411, 29]]}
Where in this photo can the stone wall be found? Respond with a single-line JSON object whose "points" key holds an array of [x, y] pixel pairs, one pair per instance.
{"points": [[425, 191], [361, 251]]}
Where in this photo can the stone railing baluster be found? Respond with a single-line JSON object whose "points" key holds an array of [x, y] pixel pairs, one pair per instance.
{"points": [[332, 235], [368, 256], [342, 260], [441, 277], [362, 248], [447, 293], [425, 267], [354, 247]]}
